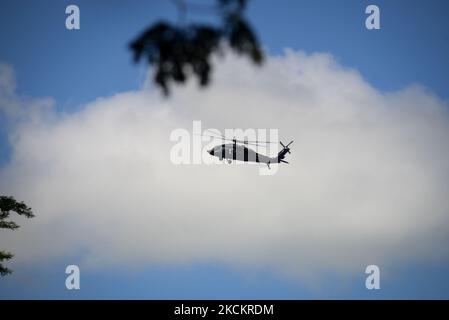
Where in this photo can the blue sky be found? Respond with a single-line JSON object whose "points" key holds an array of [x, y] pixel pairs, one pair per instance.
{"points": [[75, 67]]}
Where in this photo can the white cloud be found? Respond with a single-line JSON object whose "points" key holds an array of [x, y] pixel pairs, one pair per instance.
{"points": [[367, 182], [7, 80], [13, 106]]}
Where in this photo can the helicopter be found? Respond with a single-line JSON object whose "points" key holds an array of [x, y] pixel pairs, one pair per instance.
{"points": [[237, 151]]}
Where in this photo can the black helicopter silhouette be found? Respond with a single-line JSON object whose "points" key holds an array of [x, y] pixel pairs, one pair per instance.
{"points": [[235, 151]]}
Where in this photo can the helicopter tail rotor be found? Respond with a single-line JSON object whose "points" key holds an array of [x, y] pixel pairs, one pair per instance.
{"points": [[284, 151], [286, 147]]}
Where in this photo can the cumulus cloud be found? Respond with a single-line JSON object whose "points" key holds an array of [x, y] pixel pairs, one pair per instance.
{"points": [[367, 182], [13, 106]]}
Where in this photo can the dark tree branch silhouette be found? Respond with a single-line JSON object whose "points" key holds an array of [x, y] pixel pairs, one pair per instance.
{"points": [[176, 52], [8, 205]]}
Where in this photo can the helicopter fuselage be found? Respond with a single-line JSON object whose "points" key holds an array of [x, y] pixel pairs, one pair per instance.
{"points": [[233, 151]]}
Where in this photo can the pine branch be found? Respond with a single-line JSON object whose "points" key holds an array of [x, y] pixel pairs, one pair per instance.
{"points": [[8, 205], [8, 225], [5, 256]]}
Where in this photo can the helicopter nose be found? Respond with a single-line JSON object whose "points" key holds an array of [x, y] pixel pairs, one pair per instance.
{"points": [[211, 152]]}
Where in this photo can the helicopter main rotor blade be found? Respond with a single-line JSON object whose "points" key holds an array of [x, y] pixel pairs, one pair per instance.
{"points": [[250, 141], [220, 136], [215, 137], [216, 134], [255, 144], [264, 142]]}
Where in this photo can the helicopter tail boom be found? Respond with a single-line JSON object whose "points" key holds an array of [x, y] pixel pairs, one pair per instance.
{"points": [[281, 155]]}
